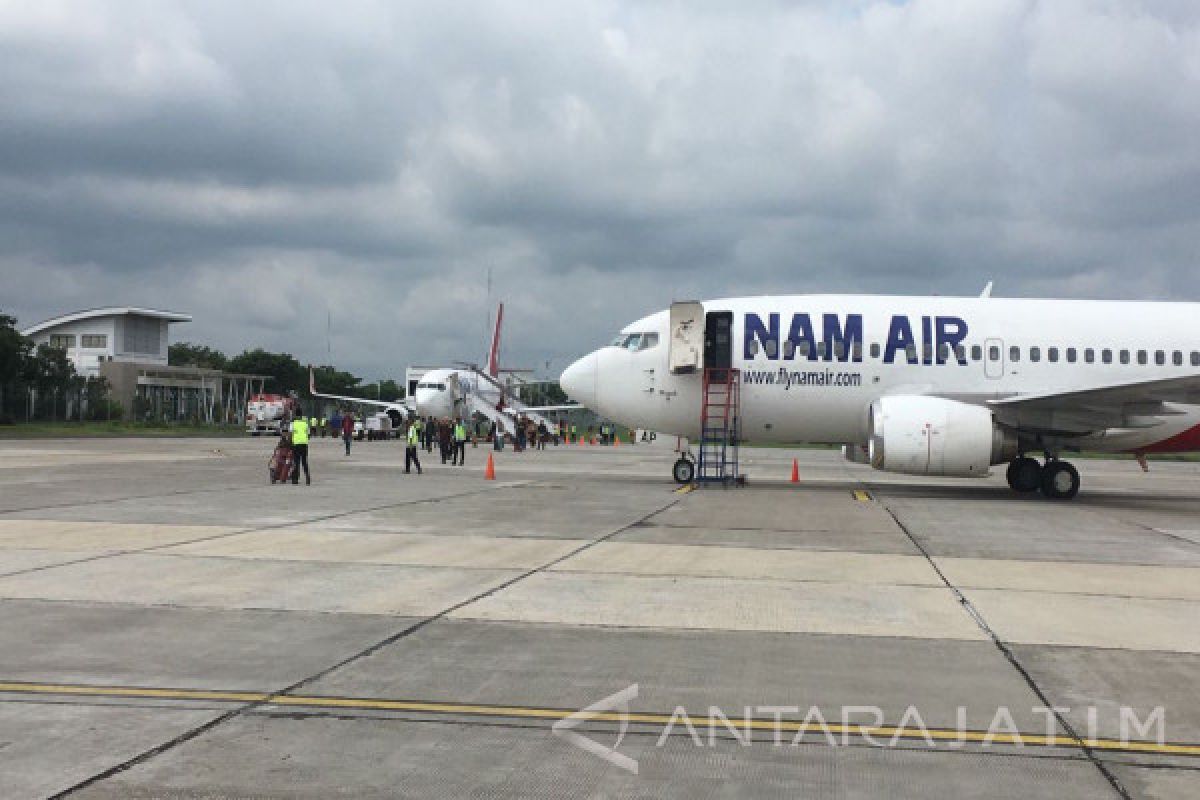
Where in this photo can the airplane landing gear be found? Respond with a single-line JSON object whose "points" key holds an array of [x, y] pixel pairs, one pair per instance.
{"points": [[684, 470], [1057, 480], [1024, 474], [1060, 480]]}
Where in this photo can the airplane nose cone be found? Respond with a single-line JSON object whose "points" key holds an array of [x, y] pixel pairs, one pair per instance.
{"points": [[579, 381]]}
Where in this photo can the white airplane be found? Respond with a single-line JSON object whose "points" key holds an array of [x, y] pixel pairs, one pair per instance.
{"points": [[459, 392], [942, 386]]}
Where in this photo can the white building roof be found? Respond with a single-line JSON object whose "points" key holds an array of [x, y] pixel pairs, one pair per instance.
{"points": [[113, 311]]}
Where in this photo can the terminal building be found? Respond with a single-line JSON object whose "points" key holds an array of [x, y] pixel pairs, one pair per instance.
{"points": [[128, 346]]}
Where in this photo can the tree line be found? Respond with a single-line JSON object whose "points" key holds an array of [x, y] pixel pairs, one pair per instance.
{"points": [[284, 372]]}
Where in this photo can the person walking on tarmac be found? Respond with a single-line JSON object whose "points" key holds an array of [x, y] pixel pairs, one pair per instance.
{"points": [[412, 444], [460, 444], [300, 449], [445, 438], [347, 430]]}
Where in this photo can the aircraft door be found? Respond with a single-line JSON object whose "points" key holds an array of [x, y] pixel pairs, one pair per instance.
{"points": [[993, 358], [718, 340], [686, 337]]}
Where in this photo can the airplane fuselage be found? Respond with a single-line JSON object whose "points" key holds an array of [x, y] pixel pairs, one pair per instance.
{"points": [[812, 365]]}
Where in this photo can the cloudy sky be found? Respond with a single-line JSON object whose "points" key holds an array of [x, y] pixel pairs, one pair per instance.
{"points": [[268, 167]]}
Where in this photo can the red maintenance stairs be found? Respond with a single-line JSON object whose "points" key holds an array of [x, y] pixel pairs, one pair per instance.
{"points": [[720, 426]]}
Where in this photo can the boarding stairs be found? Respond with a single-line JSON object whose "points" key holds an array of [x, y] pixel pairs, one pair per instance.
{"points": [[720, 427]]}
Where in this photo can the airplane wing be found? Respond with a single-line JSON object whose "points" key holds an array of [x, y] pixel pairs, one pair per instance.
{"points": [[312, 389], [1142, 404]]}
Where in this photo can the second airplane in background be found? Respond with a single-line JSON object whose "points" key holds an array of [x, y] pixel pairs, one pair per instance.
{"points": [[460, 392]]}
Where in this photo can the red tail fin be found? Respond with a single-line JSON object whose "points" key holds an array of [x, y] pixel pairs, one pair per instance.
{"points": [[493, 366]]}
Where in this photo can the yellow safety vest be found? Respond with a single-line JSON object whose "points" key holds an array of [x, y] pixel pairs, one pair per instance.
{"points": [[300, 431], [414, 434], [460, 433]]}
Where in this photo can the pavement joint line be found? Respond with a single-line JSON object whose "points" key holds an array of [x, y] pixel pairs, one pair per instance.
{"points": [[251, 704], [252, 529], [1011, 657], [488, 710]]}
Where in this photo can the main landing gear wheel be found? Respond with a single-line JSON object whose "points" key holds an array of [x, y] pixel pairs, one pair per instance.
{"points": [[684, 471], [1060, 480], [1024, 474]]}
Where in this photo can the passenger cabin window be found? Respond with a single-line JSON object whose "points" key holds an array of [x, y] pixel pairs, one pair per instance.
{"points": [[1142, 358], [993, 353], [910, 353], [1160, 357], [943, 353], [1071, 355], [839, 350], [804, 349], [1124, 356], [1177, 358], [961, 352], [1014, 354], [976, 352], [1052, 355], [1035, 354], [1196, 358], [856, 352], [1106, 356], [875, 350], [1089, 355], [789, 349]]}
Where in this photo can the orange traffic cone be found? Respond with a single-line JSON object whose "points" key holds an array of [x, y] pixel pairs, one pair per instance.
{"points": [[489, 472], [616, 440], [795, 471]]}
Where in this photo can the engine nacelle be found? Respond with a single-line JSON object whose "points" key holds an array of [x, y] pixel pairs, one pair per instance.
{"points": [[920, 435]]}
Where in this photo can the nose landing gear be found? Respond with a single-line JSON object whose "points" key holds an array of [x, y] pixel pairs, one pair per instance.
{"points": [[684, 470]]}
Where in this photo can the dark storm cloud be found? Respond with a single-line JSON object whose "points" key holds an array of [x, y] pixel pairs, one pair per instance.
{"points": [[280, 169]]}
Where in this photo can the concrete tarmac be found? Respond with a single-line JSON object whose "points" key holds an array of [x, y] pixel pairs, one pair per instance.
{"points": [[172, 626]]}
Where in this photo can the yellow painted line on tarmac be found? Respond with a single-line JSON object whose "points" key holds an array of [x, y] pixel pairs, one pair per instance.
{"points": [[685, 489], [862, 496], [880, 732]]}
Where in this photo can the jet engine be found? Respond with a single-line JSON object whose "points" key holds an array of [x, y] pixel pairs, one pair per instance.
{"points": [[920, 435]]}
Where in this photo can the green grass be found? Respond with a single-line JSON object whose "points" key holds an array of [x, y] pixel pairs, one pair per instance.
{"points": [[67, 430]]}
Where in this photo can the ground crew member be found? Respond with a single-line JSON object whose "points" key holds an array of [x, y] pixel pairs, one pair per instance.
{"points": [[460, 444], [300, 449], [324, 427], [410, 450], [347, 430], [574, 434]]}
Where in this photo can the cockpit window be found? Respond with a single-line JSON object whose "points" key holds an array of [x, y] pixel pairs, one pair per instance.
{"points": [[635, 342]]}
